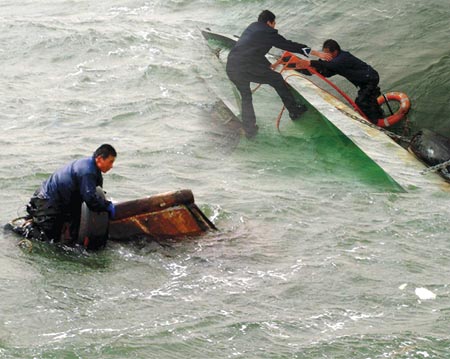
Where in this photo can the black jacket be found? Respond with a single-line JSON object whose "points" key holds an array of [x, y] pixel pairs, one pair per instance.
{"points": [[348, 66], [254, 43]]}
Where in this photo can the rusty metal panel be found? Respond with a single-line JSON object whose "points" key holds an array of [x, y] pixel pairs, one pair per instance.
{"points": [[173, 222]]}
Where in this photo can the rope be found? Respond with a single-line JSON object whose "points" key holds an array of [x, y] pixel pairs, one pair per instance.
{"points": [[342, 93], [364, 121], [273, 66], [279, 118], [392, 135], [256, 88], [439, 166], [387, 104]]}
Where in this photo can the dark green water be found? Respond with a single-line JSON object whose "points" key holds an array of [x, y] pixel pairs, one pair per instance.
{"points": [[318, 254]]}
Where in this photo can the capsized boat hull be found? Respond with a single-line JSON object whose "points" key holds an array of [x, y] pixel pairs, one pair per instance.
{"points": [[397, 163]]}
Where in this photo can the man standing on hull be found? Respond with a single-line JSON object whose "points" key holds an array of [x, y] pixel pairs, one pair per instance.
{"points": [[247, 63]]}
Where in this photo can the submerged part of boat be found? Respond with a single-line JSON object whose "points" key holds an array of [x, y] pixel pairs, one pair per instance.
{"points": [[433, 149], [397, 163], [169, 215]]}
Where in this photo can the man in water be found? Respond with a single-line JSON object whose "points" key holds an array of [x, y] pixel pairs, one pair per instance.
{"points": [[354, 70], [247, 63], [55, 207]]}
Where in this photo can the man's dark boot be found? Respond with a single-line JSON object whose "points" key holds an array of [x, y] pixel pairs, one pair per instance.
{"points": [[299, 111], [251, 132]]}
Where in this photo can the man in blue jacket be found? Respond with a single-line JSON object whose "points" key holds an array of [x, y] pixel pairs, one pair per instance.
{"points": [[56, 206], [247, 63], [354, 70]]}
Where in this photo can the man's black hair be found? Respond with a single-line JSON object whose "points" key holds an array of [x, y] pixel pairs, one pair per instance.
{"points": [[265, 16], [331, 45], [105, 151]]}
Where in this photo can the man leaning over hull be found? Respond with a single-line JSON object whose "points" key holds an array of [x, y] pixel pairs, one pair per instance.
{"points": [[247, 63], [360, 74], [55, 208]]}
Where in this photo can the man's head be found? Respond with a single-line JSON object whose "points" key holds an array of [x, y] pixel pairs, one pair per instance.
{"points": [[331, 47], [267, 17], [104, 157]]}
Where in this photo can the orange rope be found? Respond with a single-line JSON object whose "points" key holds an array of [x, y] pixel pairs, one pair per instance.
{"points": [[279, 118], [273, 66], [291, 61], [257, 87], [342, 93], [314, 72]]}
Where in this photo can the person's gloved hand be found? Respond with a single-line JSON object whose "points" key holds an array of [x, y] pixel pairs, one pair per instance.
{"points": [[111, 210]]}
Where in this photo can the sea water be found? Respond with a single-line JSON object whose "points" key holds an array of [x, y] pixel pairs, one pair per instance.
{"points": [[317, 254]]}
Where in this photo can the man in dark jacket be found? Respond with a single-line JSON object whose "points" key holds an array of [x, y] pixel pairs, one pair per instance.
{"points": [[247, 63], [354, 70], [56, 206]]}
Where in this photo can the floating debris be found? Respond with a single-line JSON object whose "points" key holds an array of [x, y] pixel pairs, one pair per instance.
{"points": [[425, 294]]}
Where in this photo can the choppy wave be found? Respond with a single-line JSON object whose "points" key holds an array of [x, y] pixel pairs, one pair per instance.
{"points": [[317, 254]]}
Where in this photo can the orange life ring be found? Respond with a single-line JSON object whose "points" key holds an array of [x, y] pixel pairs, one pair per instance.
{"points": [[405, 105]]}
